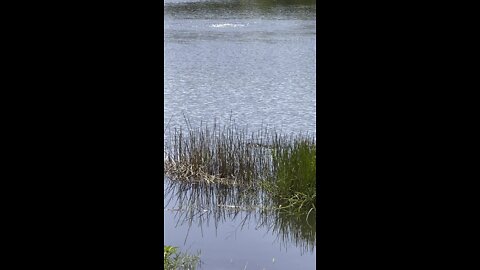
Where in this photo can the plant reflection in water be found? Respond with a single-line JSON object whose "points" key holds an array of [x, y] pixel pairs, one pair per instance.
{"points": [[200, 204]]}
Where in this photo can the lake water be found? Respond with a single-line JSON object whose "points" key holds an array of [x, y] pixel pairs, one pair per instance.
{"points": [[254, 62]]}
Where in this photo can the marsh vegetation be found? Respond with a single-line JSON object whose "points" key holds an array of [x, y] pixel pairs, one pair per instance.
{"points": [[283, 166]]}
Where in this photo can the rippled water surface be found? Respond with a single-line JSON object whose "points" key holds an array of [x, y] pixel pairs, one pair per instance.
{"points": [[253, 61]]}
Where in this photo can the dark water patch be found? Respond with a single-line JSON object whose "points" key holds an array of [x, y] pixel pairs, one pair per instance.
{"points": [[235, 9]]}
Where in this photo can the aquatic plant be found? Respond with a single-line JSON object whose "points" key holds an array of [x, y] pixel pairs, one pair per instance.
{"points": [[227, 155], [284, 166], [294, 185], [175, 260]]}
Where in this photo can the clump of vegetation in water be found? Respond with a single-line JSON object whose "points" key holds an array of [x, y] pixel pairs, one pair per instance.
{"points": [[175, 260], [294, 185], [284, 165], [226, 155]]}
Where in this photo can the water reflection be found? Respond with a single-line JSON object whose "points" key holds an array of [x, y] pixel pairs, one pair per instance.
{"points": [[291, 9], [209, 206]]}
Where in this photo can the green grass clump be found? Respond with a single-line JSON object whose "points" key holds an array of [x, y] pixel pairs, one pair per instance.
{"points": [[175, 260], [295, 167]]}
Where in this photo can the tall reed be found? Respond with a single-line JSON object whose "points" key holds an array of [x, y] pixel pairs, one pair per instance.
{"points": [[228, 155]]}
